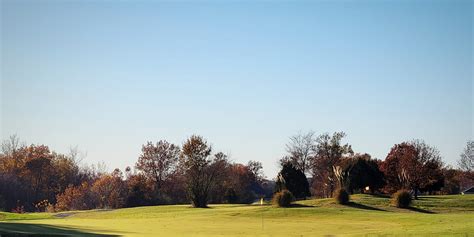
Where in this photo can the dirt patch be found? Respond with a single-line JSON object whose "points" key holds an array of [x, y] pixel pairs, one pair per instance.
{"points": [[99, 210], [68, 214], [64, 215]]}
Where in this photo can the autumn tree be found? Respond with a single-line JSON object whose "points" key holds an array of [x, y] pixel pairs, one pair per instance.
{"points": [[35, 173], [76, 198], [109, 190], [391, 166], [139, 191], [466, 162], [413, 165], [158, 162], [243, 183], [201, 170], [38, 166], [425, 169], [65, 172], [225, 186], [329, 150], [175, 189]]}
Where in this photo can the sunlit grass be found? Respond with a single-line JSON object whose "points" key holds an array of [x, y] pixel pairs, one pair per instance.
{"points": [[440, 215]]}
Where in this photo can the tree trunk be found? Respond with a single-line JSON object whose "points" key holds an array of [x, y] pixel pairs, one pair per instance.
{"points": [[200, 201]]}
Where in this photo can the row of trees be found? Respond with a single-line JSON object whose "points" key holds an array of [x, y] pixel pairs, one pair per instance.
{"points": [[332, 164], [32, 178]]}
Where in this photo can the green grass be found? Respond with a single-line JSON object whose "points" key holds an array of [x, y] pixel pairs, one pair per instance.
{"points": [[366, 215]]}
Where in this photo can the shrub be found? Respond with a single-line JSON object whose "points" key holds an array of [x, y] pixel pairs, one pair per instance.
{"points": [[283, 198], [401, 199], [342, 196], [50, 208], [19, 209], [42, 205], [294, 180], [75, 198]]}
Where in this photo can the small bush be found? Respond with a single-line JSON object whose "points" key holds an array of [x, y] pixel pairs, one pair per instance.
{"points": [[42, 205], [401, 199], [18, 209], [50, 208], [342, 196], [283, 198]]}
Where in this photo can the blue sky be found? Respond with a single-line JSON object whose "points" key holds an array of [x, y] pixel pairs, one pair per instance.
{"points": [[109, 76]]}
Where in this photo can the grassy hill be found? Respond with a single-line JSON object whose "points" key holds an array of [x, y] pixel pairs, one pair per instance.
{"points": [[366, 216]]}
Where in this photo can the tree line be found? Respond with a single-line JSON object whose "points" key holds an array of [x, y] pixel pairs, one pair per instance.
{"points": [[332, 164], [34, 178]]}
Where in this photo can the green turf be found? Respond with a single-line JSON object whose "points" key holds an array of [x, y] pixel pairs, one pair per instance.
{"points": [[365, 216]]}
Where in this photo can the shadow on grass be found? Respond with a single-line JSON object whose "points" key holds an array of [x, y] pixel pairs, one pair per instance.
{"points": [[362, 206], [427, 197], [379, 195], [420, 210], [297, 205], [40, 230]]}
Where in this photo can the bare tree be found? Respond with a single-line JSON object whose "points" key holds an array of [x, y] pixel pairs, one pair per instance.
{"points": [[301, 149], [10, 145], [76, 155], [466, 162]]}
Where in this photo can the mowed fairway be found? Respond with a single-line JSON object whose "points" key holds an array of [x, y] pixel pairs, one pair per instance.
{"points": [[367, 215]]}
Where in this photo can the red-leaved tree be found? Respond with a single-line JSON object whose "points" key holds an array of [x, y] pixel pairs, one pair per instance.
{"points": [[413, 165]]}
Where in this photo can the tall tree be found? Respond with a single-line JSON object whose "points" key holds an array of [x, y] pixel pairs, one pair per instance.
{"points": [[158, 161], [301, 150], [466, 162], [329, 150], [38, 167], [363, 171], [391, 166], [200, 169], [425, 169]]}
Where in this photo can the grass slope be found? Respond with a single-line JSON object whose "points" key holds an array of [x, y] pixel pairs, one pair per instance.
{"points": [[365, 216]]}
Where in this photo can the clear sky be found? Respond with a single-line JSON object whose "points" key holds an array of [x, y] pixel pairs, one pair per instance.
{"points": [[110, 75]]}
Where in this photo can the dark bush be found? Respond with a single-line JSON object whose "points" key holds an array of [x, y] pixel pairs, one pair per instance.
{"points": [[401, 199], [2, 204], [230, 196], [293, 180], [283, 198], [342, 196]]}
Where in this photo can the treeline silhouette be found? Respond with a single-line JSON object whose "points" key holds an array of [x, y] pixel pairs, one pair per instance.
{"points": [[34, 178]]}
